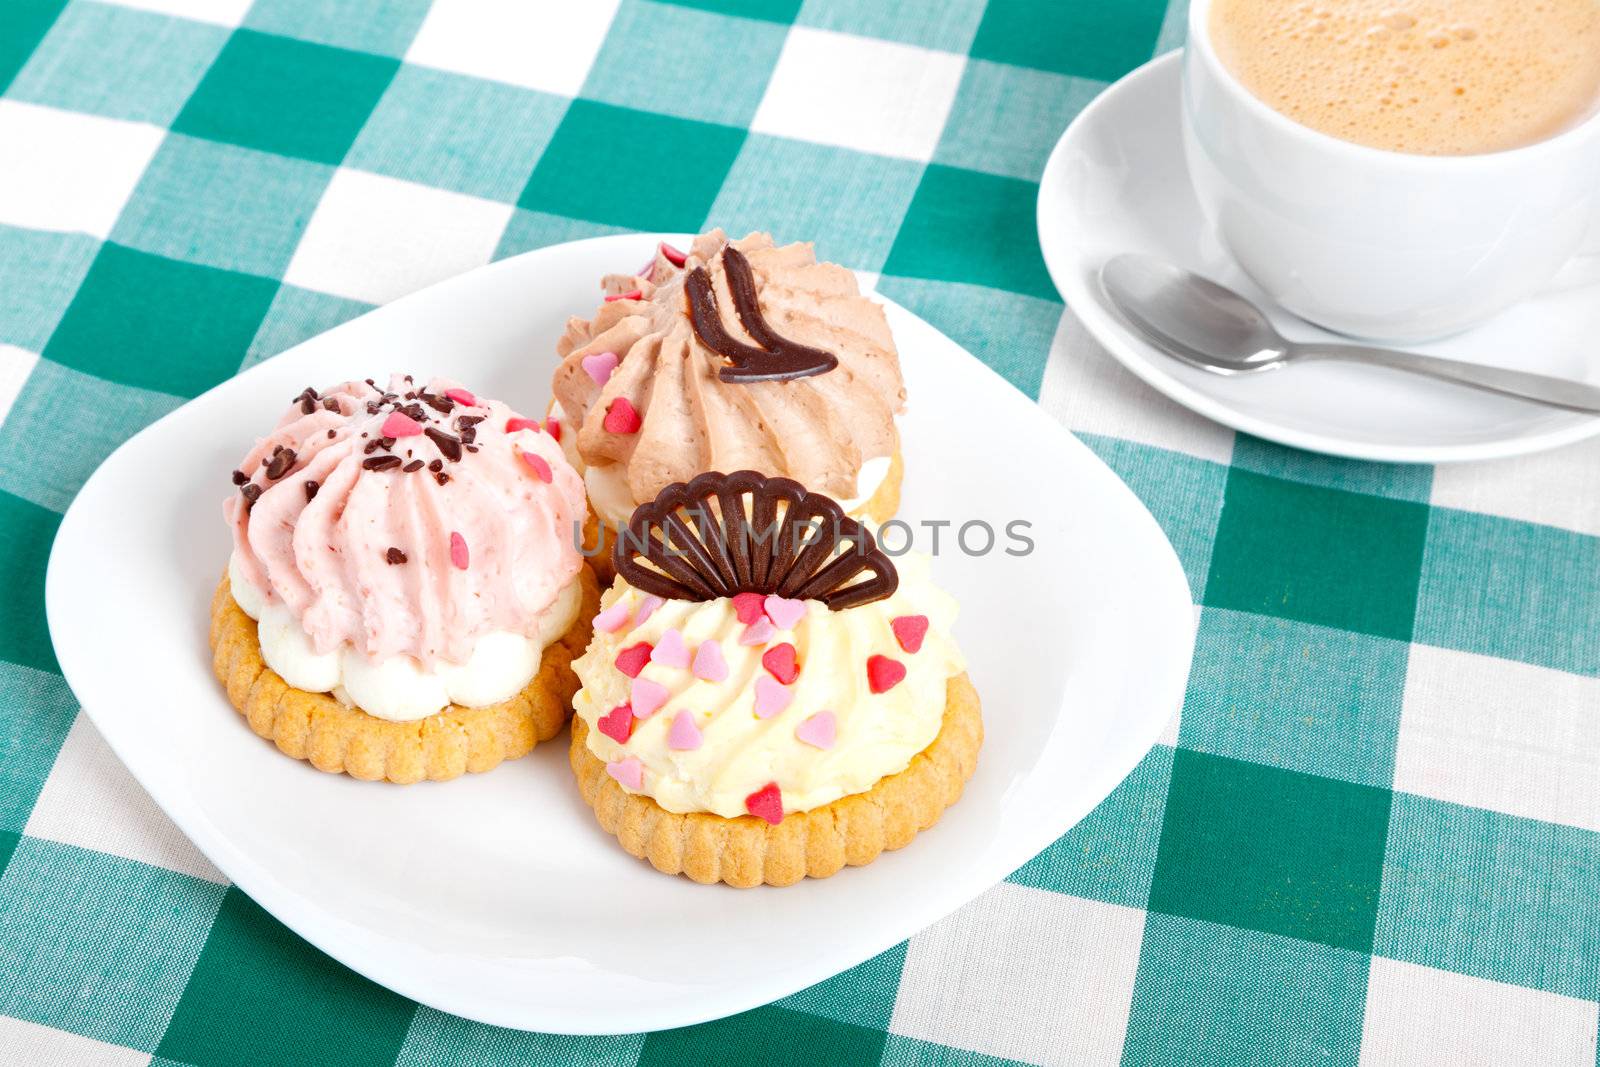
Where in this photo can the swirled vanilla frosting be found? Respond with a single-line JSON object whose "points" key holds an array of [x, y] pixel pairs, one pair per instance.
{"points": [[644, 393], [760, 705], [405, 546]]}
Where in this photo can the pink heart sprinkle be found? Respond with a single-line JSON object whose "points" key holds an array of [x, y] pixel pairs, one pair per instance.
{"points": [[458, 551], [684, 735], [747, 606], [537, 464], [647, 697], [622, 418], [758, 633], [614, 618], [552, 426], [819, 731], [670, 651], [513, 425], [909, 630], [617, 724], [784, 613], [600, 366], [629, 772], [647, 608], [766, 803], [399, 424], [772, 696], [709, 666], [462, 396], [631, 294]]}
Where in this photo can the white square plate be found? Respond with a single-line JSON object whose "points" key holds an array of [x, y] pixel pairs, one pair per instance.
{"points": [[496, 896]]}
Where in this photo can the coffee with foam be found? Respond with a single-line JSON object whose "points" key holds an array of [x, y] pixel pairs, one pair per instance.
{"points": [[1430, 77]]}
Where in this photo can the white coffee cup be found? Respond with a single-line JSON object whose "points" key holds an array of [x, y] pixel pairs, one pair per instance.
{"points": [[1384, 244]]}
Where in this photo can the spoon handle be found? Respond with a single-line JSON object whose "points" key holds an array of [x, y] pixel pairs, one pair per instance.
{"points": [[1561, 392]]}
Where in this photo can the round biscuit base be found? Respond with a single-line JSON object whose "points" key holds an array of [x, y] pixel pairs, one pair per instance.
{"points": [[880, 508], [332, 737], [747, 851]]}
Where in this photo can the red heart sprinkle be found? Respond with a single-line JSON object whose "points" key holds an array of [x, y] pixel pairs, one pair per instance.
{"points": [[631, 294], [749, 607], [909, 630], [458, 551], [766, 803], [537, 464], [552, 426], [631, 660], [781, 661], [462, 396], [513, 425], [617, 723], [673, 256], [883, 673], [621, 417]]}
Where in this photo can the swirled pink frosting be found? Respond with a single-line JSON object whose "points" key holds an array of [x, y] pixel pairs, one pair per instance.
{"points": [[818, 430], [469, 533]]}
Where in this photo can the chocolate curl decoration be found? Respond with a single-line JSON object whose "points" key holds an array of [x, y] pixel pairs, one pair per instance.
{"points": [[778, 359], [724, 534]]}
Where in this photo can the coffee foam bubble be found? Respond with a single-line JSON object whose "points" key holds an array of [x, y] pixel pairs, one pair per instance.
{"points": [[1434, 77]]}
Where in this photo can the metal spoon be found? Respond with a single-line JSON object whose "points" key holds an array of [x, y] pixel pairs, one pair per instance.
{"points": [[1214, 328]]}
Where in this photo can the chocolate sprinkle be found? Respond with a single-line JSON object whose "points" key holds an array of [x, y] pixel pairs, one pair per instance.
{"points": [[436, 466], [332, 434], [696, 541], [311, 490], [331, 404], [240, 477], [414, 465], [282, 460], [441, 477], [394, 556], [449, 444], [380, 463], [251, 492], [778, 359], [442, 404]]}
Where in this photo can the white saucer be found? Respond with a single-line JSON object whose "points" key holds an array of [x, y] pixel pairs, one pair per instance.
{"points": [[1117, 182], [496, 896]]}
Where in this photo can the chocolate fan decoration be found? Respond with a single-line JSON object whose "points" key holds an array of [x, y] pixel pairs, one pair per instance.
{"points": [[724, 534], [778, 359]]}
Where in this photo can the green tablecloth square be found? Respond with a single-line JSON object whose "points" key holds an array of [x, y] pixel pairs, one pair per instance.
{"points": [[23, 24], [948, 26], [453, 132], [679, 61], [41, 463], [383, 27], [160, 324], [1517, 590], [1294, 695], [36, 710], [97, 944], [1493, 895], [844, 202], [221, 205], [40, 272], [26, 530], [259, 995], [1271, 850], [1110, 855], [1007, 119], [1209, 994], [1399, 481], [1088, 38], [281, 95], [603, 161], [772, 1037], [118, 62], [1318, 555], [964, 226]]}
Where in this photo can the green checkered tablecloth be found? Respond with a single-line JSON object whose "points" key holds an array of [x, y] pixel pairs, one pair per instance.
{"points": [[1373, 832]]}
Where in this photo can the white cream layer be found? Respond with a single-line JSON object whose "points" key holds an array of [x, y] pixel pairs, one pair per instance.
{"points": [[397, 688]]}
